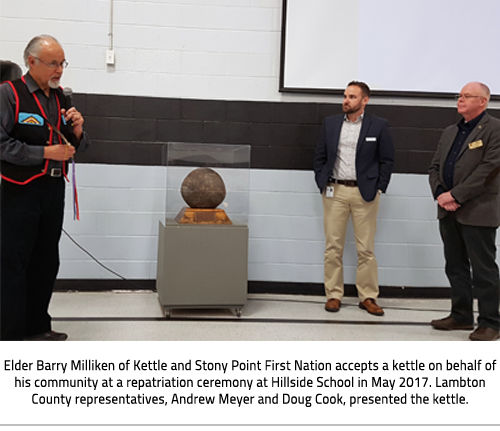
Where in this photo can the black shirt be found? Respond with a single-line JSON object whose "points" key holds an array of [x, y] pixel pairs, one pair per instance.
{"points": [[17, 152], [464, 130]]}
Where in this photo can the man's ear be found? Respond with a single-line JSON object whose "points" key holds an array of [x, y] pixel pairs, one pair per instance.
{"points": [[31, 60]]}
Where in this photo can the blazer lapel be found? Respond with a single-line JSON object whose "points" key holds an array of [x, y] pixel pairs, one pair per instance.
{"points": [[363, 132], [334, 133]]}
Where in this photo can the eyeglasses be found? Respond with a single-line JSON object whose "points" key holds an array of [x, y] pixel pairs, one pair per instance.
{"points": [[465, 96], [54, 64]]}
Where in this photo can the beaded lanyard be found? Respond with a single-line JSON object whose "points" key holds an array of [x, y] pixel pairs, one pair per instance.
{"points": [[76, 208]]}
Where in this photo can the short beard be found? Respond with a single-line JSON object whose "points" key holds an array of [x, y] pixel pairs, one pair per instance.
{"points": [[54, 84], [351, 109]]}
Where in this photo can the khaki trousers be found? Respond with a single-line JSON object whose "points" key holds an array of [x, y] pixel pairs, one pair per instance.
{"points": [[346, 202]]}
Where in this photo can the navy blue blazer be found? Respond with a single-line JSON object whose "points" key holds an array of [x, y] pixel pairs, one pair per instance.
{"points": [[374, 154]]}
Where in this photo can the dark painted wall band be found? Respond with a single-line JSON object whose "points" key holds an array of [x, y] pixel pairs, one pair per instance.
{"points": [[130, 130]]}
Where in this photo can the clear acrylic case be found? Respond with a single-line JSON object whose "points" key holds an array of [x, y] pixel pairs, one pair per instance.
{"points": [[231, 162]]}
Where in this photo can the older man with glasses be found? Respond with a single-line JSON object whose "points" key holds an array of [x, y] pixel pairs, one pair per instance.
{"points": [[39, 132], [464, 179]]}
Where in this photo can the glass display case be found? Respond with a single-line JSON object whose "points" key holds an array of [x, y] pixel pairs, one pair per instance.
{"points": [[198, 165], [203, 242]]}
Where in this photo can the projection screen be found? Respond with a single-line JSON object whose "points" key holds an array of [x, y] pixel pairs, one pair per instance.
{"points": [[399, 47]]}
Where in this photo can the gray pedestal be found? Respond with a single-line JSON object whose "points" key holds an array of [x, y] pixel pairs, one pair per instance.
{"points": [[202, 266]]}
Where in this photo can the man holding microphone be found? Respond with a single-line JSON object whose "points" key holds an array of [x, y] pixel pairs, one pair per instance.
{"points": [[39, 133]]}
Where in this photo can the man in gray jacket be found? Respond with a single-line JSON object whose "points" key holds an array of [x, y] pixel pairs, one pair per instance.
{"points": [[464, 179]]}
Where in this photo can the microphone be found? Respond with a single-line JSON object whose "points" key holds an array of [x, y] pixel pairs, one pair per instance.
{"points": [[68, 92]]}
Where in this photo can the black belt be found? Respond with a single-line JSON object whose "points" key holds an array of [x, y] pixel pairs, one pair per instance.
{"points": [[347, 183]]}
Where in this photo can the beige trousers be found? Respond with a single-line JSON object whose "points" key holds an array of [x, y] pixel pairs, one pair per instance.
{"points": [[346, 202]]}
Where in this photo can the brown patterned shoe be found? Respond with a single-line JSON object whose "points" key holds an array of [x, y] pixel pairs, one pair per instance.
{"points": [[333, 306], [371, 306]]}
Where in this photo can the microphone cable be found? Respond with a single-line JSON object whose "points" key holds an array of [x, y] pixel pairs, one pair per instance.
{"points": [[98, 262]]}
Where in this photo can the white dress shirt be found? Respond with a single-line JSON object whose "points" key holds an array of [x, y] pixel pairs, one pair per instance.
{"points": [[345, 163]]}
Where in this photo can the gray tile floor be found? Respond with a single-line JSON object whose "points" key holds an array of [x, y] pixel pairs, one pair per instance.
{"points": [[135, 316]]}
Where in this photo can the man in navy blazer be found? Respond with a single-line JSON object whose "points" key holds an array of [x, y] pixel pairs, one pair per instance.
{"points": [[353, 164], [374, 163]]}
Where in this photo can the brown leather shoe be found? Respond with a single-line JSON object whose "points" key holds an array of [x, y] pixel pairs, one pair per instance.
{"points": [[371, 306], [48, 336], [484, 334], [333, 305], [450, 324]]}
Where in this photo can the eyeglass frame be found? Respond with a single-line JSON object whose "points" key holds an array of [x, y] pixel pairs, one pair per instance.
{"points": [[52, 65], [466, 96]]}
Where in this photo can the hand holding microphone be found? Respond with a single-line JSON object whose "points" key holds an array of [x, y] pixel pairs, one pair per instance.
{"points": [[72, 115], [76, 119], [66, 151]]}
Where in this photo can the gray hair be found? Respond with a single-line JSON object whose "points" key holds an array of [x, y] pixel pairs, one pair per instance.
{"points": [[34, 46], [486, 90]]}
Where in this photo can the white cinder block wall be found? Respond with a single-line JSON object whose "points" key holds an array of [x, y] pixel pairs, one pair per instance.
{"points": [[203, 49], [206, 49], [120, 216]]}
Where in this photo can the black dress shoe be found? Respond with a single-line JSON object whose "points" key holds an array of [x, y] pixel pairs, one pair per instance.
{"points": [[450, 324], [48, 336], [484, 334]]}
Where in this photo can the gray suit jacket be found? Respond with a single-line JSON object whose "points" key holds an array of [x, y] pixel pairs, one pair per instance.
{"points": [[476, 181]]}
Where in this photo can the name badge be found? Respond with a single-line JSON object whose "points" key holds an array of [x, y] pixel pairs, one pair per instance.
{"points": [[476, 144], [329, 191], [371, 139]]}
